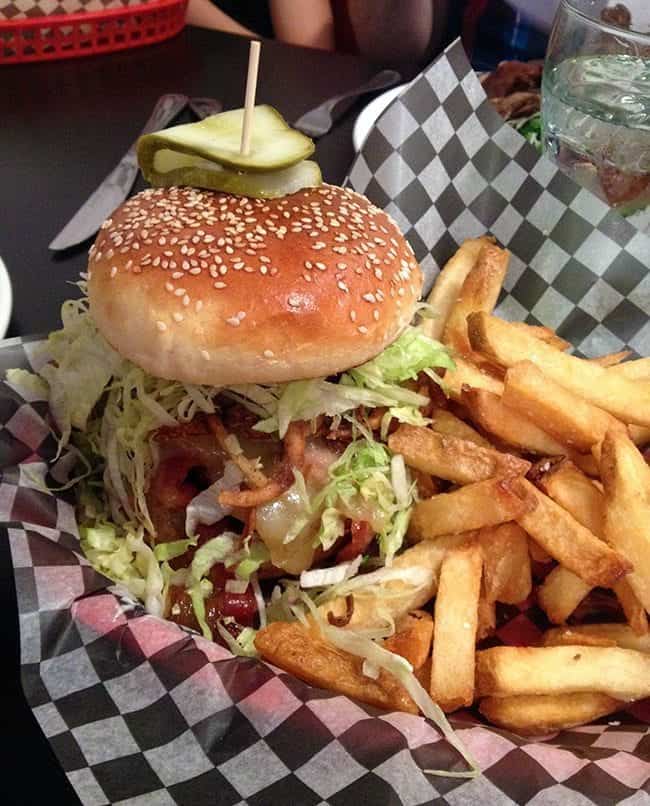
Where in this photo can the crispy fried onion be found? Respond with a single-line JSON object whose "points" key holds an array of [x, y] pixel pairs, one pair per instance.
{"points": [[294, 457], [229, 444], [343, 621]]}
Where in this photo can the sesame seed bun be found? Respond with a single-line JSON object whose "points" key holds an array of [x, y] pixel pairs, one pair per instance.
{"points": [[208, 288]]}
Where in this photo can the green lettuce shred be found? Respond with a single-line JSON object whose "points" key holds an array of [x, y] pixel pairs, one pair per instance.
{"points": [[360, 480]]}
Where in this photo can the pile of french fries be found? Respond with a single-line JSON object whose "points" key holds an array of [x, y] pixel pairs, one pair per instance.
{"points": [[533, 488]]}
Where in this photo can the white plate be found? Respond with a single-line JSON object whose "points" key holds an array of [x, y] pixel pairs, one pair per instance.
{"points": [[370, 113], [5, 299]]}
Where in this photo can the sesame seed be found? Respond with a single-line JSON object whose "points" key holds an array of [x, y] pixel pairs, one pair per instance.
{"points": [[375, 315], [268, 353], [342, 286], [219, 285], [294, 300], [162, 327], [353, 316], [233, 320], [342, 266], [179, 292], [369, 297], [186, 300], [320, 266], [362, 329], [309, 264], [178, 317], [113, 271]]}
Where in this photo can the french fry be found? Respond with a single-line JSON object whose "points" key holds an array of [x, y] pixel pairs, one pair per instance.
{"points": [[611, 359], [621, 635], [573, 491], [423, 674], [412, 639], [449, 283], [479, 292], [569, 418], [486, 503], [639, 435], [455, 623], [628, 401], [451, 458], [586, 462], [560, 593], [544, 334], [426, 484], [538, 715], [634, 611], [537, 553], [487, 617], [505, 671], [303, 653], [506, 563], [626, 478], [444, 422], [568, 541], [466, 374], [637, 370], [372, 608], [487, 409]]}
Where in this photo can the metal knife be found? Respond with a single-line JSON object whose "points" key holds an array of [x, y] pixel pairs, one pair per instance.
{"points": [[204, 107], [117, 185]]}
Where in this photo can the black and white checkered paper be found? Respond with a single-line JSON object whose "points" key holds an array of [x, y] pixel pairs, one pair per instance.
{"points": [[139, 711]]}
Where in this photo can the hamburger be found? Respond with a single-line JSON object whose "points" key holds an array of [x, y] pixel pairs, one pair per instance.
{"points": [[226, 387]]}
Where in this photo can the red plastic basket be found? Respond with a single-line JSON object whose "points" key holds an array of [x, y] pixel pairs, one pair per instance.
{"points": [[67, 36]]}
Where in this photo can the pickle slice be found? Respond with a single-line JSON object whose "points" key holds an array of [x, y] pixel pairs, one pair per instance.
{"points": [[274, 144], [171, 168]]}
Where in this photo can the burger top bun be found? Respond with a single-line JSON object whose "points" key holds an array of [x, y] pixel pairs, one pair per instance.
{"points": [[209, 288]]}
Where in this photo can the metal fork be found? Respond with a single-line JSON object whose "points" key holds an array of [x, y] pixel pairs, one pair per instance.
{"points": [[320, 120]]}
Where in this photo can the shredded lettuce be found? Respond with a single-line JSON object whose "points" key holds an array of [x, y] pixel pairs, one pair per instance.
{"points": [[361, 481], [249, 560], [210, 553], [376, 383], [243, 645], [164, 552], [110, 408], [30, 386], [124, 556], [205, 508], [379, 658]]}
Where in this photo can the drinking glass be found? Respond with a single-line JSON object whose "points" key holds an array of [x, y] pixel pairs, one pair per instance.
{"points": [[596, 100]]}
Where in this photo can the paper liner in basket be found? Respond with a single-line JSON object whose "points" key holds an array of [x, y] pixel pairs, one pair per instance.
{"points": [[139, 711]]}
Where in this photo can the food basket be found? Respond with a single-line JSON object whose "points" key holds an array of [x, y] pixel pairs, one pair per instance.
{"points": [[34, 36]]}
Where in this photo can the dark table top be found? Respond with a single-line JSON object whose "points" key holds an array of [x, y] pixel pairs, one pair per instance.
{"points": [[64, 125]]}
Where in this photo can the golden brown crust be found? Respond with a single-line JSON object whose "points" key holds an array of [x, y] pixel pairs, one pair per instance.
{"points": [[210, 288]]}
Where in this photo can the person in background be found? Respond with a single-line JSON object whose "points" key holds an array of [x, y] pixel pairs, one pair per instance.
{"points": [[404, 34], [499, 30]]}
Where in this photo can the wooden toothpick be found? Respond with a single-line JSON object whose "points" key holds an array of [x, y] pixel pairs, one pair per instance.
{"points": [[249, 102]]}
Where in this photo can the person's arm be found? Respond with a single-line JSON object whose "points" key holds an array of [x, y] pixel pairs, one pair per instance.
{"points": [[206, 15], [389, 33], [309, 23]]}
